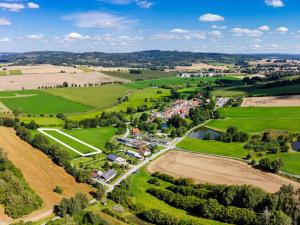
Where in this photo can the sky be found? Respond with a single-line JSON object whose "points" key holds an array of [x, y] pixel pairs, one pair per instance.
{"points": [[227, 26]]}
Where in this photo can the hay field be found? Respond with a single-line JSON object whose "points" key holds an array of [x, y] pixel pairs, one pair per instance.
{"points": [[39, 171], [209, 169], [34, 81], [201, 66], [272, 101]]}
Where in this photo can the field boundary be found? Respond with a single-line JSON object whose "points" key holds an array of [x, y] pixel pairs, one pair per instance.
{"points": [[44, 131]]}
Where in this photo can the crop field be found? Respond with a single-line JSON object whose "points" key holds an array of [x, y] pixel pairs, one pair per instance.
{"points": [[272, 101], [173, 81], [216, 170], [40, 172], [100, 97], [38, 102], [138, 188], [15, 72], [257, 120], [146, 75], [85, 69], [233, 150], [72, 143]]}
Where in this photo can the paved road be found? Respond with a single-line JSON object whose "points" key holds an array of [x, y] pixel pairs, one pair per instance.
{"points": [[169, 147]]}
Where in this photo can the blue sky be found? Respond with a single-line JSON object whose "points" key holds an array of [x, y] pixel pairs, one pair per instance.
{"points": [[230, 26]]}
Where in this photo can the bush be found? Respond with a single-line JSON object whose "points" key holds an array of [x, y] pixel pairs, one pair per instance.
{"points": [[58, 190], [154, 181]]}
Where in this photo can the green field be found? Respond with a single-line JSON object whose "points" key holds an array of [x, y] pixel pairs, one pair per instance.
{"points": [[38, 102], [3, 73], [94, 136], [43, 121], [139, 187], [259, 119], [256, 91], [173, 81], [146, 75], [234, 150], [85, 69], [100, 97], [291, 162], [15, 72], [72, 143]]}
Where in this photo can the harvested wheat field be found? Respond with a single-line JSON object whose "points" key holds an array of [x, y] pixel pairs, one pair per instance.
{"points": [[34, 81], [40, 172], [273, 101], [44, 69], [215, 170], [201, 66]]}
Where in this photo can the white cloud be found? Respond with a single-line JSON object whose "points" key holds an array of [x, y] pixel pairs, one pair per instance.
{"points": [[264, 28], [246, 32], [75, 36], [141, 3], [274, 3], [35, 36], [211, 18], [179, 36], [118, 40], [99, 20], [4, 22], [12, 7], [32, 5], [218, 27], [282, 30], [5, 39], [179, 31], [144, 4], [216, 33]]}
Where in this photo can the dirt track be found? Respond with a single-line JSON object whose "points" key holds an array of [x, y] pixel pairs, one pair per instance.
{"points": [[289, 100], [39, 171], [209, 169]]}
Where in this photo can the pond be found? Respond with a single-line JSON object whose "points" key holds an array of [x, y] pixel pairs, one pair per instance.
{"points": [[296, 146], [204, 134]]}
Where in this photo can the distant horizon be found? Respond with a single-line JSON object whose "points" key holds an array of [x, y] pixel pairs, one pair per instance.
{"points": [[227, 26]]}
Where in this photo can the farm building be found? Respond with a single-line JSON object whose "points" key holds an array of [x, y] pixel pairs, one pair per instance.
{"points": [[134, 154], [116, 159], [109, 175]]}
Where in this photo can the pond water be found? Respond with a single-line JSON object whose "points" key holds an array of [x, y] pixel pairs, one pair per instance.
{"points": [[204, 134], [296, 146]]}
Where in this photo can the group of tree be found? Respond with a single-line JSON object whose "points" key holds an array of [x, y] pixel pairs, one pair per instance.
{"points": [[16, 196], [269, 144], [232, 134], [73, 211], [230, 203]]}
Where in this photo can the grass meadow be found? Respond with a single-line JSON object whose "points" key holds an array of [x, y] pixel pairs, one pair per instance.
{"points": [[100, 97], [259, 119], [233, 150], [38, 102], [291, 162]]}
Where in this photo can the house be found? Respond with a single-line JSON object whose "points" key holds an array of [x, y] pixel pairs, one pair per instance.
{"points": [[144, 152], [134, 154], [136, 132], [139, 144], [97, 174], [116, 159], [109, 175]]}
